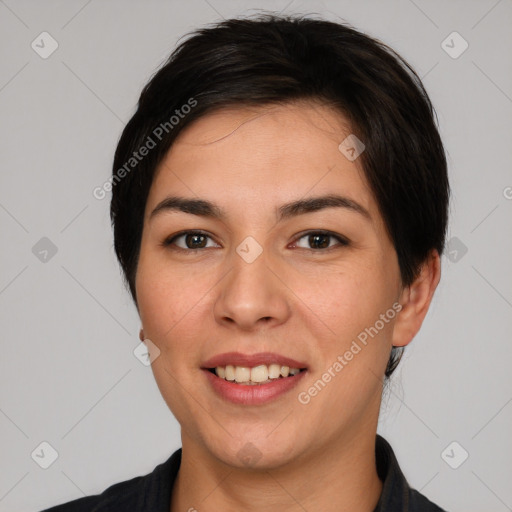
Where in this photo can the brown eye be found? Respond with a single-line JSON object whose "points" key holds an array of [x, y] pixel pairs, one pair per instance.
{"points": [[189, 240], [195, 241], [321, 240]]}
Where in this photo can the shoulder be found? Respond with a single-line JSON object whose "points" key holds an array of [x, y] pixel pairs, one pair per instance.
{"points": [[122, 494], [397, 495], [420, 503], [148, 492]]}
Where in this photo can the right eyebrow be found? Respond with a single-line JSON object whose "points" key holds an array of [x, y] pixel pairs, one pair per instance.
{"points": [[199, 207]]}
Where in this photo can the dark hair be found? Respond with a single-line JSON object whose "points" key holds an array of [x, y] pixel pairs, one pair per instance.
{"points": [[275, 59]]}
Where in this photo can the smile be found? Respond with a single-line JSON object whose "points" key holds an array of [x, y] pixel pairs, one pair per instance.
{"points": [[252, 379], [261, 374]]}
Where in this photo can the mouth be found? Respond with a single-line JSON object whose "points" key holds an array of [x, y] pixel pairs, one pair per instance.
{"points": [[252, 379], [255, 376]]}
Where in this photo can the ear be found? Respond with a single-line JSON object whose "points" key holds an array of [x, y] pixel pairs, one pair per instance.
{"points": [[415, 301]]}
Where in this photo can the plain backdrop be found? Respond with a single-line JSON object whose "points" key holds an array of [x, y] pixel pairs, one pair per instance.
{"points": [[69, 376]]}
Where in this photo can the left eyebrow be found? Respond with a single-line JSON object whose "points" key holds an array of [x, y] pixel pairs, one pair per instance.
{"points": [[314, 204], [204, 208]]}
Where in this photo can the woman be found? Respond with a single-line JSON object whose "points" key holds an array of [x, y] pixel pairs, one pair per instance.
{"points": [[279, 205]]}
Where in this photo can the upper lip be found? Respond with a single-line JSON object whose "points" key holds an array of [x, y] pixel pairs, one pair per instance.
{"points": [[251, 360]]}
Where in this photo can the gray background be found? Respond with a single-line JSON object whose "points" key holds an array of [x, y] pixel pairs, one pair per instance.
{"points": [[68, 328]]}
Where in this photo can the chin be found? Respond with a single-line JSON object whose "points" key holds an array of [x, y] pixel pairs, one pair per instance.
{"points": [[255, 451]]}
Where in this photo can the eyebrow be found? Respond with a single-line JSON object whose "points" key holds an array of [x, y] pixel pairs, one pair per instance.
{"points": [[204, 208]]}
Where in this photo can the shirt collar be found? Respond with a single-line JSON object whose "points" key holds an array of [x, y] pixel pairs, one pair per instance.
{"points": [[395, 489]]}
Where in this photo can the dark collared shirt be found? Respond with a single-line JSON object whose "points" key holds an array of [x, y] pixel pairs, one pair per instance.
{"points": [[152, 492]]}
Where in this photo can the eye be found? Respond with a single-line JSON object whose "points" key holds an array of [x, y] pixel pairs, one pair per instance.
{"points": [[189, 240], [321, 240]]}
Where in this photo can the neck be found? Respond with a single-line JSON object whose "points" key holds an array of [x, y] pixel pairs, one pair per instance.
{"points": [[341, 478]]}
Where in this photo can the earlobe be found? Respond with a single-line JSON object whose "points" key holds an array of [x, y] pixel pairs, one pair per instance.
{"points": [[416, 300], [141, 335]]}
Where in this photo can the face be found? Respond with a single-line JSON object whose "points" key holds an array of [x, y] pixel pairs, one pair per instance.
{"points": [[245, 282]]}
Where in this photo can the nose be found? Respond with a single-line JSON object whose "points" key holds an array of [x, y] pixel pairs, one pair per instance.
{"points": [[251, 296]]}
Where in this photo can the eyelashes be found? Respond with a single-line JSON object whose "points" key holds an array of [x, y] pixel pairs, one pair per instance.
{"points": [[193, 234], [315, 241], [317, 236]]}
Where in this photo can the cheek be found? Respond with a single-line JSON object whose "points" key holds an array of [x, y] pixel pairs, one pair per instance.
{"points": [[353, 339], [343, 311], [344, 302], [173, 304]]}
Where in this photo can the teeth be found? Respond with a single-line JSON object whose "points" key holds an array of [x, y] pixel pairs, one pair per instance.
{"points": [[242, 374], [230, 372], [259, 374], [274, 371]]}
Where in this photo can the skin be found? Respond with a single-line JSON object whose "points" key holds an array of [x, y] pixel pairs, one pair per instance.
{"points": [[295, 299]]}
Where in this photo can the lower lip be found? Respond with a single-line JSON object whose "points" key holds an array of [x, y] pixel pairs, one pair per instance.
{"points": [[253, 394]]}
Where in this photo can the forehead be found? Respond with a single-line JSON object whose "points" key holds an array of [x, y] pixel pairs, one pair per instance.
{"points": [[264, 154]]}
